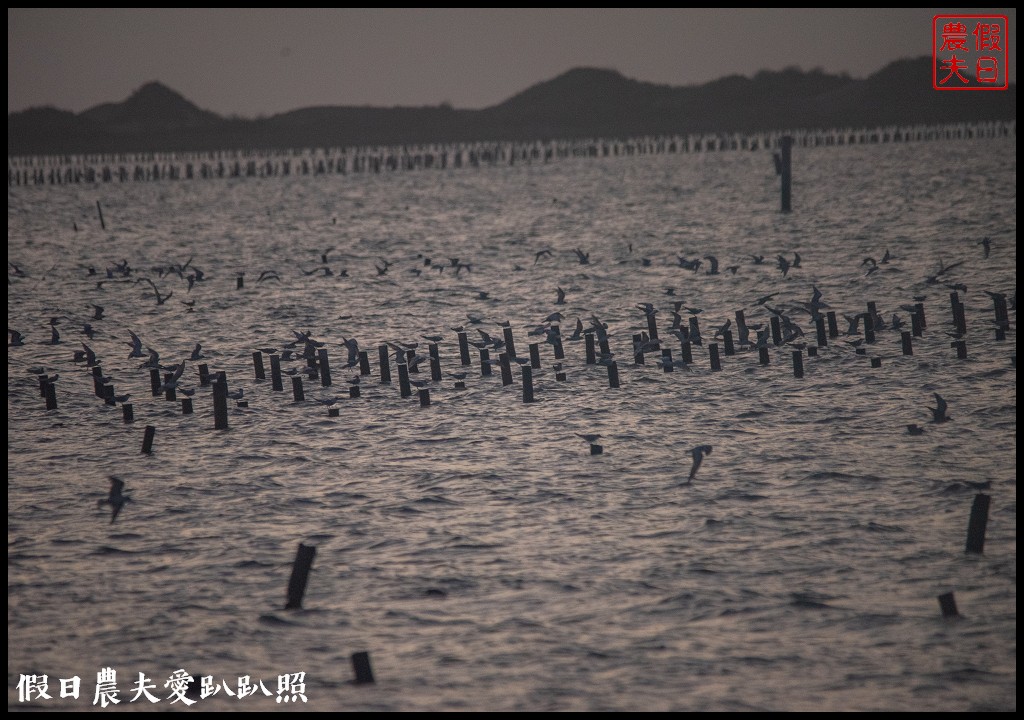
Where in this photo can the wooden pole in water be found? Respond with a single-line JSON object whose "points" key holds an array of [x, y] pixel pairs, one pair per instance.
{"points": [[99, 210], [300, 576], [833, 328], [275, 373], [638, 355], [716, 363], [154, 381], [147, 440], [186, 406], [730, 349], [961, 349], [776, 330], [819, 326], [685, 352], [127, 413], [220, 404], [404, 387], [424, 394], [869, 328], [787, 173], [613, 374], [169, 392], [588, 339], [978, 523], [559, 351], [364, 362], [325, 368], [506, 369], [51, 396], [527, 384], [257, 364], [204, 375], [908, 345], [385, 364], [947, 603], [435, 368], [534, 356], [798, 364], [652, 328], [666, 360], [510, 347], [361, 667], [485, 362], [297, 392], [464, 348], [763, 355], [741, 322]]}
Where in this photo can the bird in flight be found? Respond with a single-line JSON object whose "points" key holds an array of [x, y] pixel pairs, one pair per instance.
{"points": [[698, 454], [939, 412], [116, 499]]}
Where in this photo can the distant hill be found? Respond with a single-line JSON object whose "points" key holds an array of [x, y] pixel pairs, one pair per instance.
{"points": [[584, 102]]}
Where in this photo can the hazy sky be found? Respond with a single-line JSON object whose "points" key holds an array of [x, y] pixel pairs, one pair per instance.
{"points": [[264, 61]]}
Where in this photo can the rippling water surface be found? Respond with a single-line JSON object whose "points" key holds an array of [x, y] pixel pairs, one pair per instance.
{"points": [[475, 548]]}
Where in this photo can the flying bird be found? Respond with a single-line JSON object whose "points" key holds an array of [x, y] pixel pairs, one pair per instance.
{"points": [[698, 454], [116, 499], [939, 412]]}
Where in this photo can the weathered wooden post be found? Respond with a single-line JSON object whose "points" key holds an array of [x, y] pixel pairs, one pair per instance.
{"points": [[947, 603], [361, 667], [405, 389], [716, 363], [908, 345], [257, 364], [385, 364], [300, 576], [275, 373], [506, 369], [220, 404], [978, 523], [527, 384], [510, 347], [325, 368]]}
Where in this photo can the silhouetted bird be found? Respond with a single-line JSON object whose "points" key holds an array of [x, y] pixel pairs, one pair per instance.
{"points": [[939, 412], [116, 499], [698, 454]]}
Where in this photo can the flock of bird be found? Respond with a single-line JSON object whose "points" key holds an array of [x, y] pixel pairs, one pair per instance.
{"points": [[303, 347]]}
